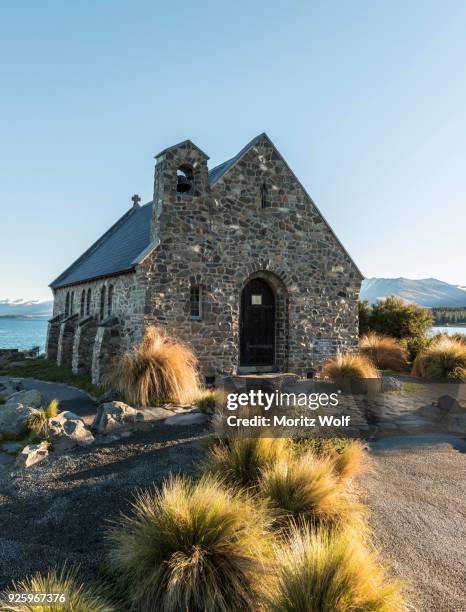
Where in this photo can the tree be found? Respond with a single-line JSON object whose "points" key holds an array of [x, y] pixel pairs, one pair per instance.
{"points": [[395, 317]]}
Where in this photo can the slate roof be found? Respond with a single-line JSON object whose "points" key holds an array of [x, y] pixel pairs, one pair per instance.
{"points": [[118, 250]]}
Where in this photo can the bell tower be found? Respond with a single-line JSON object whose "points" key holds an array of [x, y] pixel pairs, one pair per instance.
{"points": [[180, 182]]}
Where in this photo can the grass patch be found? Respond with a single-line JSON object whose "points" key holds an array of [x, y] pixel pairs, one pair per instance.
{"points": [[240, 461], [2, 400], [192, 546], [158, 369], [349, 366], [335, 572], [210, 401], [78, 596], [385, 352], [444, 358], [45, 369]]}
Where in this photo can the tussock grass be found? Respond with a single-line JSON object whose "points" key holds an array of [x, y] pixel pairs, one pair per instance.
{"points": [[52, 409], [38, 419], [444, 358], [319, 571], [193, 547], [308, 489], [385, 352], [209, 401], [158, 369], [79, 598], [240, 461], [350, 366], [347, 455]]}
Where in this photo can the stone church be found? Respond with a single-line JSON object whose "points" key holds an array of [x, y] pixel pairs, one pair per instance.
{"points": [[237, 261]]}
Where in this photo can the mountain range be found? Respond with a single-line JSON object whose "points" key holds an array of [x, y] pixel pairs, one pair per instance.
{"points": [[26, 308], [428, 292]]}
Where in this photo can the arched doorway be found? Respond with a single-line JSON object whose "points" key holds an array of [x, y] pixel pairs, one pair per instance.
{"points": [[257, 327]]}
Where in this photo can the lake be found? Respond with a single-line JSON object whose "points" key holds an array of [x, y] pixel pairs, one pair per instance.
{"points": [[26, 333], [23, 333]]}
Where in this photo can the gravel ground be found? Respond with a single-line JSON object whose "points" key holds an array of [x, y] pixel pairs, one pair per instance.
{"points": [[59, 510], [418, 499]]}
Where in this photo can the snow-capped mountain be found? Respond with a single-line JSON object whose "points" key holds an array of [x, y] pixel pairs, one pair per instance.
{"points": [[428, 292], [26, 308]]}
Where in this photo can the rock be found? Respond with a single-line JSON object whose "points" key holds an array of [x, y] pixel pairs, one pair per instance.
{"points": [[31, 454], [109, 396], [9, 387], [447, 403], [14, 414], [68, 430], [113, 415], [192, 418], [391, 384]]}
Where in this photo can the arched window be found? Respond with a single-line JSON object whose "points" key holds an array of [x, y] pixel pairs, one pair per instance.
{"points": [[83, 300], [110, 300], [72, 303], [88, 301], [264, 197], [184, 179], [67, 304], [102, 303]]}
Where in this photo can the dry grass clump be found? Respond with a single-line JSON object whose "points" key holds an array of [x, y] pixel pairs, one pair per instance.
{"points": [[193, 547], [307, 489], [350, 366], [347, 455], [158, 369], [239, 462], [209, 401], [444, 358], [79, 598], [320, 571], [385, 352]]}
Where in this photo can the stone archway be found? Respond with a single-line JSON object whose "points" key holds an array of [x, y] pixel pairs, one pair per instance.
{"points": [[270, 283]]}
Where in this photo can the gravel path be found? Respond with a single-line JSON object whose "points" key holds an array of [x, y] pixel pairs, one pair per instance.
{"points": [[418, 499], [59, 510]]}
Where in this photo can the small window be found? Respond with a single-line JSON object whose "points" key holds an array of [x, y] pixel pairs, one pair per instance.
{"points": [[102, 303], [195, 302], [265, 203], [184, 179], [83, 301], [67, 304], [110, 300], [256, 300], [88, 302], [72, 303]]}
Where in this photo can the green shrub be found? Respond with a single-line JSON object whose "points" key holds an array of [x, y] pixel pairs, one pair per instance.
{"points": [[307, 489], [320, 571], [364, 312], [193, 547], [444, 358], [2, 400], [395, 317], [79, 598], [414, 345], [240, 461]]}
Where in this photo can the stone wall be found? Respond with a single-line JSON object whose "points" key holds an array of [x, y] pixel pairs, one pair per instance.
{"points": [[219, 238]]}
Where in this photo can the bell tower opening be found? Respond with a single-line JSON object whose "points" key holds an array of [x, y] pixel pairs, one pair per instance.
{"points": [[184, 179]]}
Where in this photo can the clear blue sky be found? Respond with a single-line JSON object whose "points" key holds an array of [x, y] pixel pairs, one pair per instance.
{"points": [[366, 101]]}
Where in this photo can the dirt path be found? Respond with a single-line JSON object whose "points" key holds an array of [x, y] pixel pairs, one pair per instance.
{"points": [[418, 499]]}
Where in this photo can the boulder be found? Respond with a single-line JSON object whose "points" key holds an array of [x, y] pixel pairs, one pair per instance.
{"points": [[31, 454], [113, 415], [14, 414], [10, 386], [68, 430]]}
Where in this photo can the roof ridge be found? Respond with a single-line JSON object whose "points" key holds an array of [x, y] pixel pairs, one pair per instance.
{"points": [[218, 171]]}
